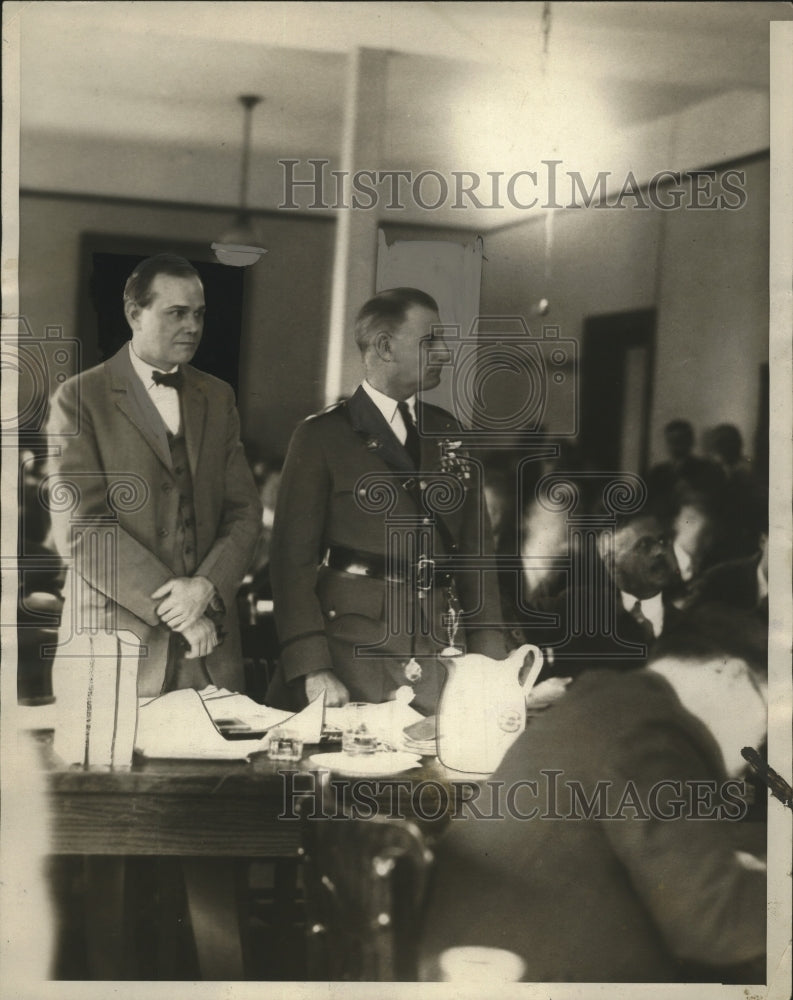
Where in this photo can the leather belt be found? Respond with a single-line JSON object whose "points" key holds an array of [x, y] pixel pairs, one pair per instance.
{"points": [[426, 572]]}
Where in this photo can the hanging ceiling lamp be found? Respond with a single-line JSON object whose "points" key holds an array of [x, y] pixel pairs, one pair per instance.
{"points": [[239, 246]]}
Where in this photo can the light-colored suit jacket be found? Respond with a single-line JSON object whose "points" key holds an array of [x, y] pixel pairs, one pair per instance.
{"points": [[114, 504]]}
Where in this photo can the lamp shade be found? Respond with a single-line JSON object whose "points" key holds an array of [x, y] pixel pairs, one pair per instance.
{"points": [[239, 246]]}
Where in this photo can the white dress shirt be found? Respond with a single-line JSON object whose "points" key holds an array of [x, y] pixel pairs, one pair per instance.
{"points": [[164, 397], [652, 608], [389, 408]]}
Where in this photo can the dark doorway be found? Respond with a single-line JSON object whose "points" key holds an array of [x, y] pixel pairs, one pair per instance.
{"points": [[108, 262], [616, 386]]}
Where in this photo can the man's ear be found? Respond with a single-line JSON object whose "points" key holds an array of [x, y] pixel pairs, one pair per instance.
{"points": [[131, 311], [382, 345]]}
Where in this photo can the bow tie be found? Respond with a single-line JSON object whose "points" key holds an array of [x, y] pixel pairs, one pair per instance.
{"points": [[173, 380]]}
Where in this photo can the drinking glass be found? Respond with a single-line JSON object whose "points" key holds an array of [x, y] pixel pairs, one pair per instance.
{"points": [[356, 736], [285, 744]]}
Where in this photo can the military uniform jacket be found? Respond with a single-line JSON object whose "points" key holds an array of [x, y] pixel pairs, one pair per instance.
{"points": [[348, 483], [116, 473]]}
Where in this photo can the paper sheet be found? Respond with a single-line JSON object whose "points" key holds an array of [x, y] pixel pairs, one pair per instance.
{"points": [[180, 725]]}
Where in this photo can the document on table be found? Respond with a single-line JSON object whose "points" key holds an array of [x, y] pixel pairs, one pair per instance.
{"points": [[181, 724]]}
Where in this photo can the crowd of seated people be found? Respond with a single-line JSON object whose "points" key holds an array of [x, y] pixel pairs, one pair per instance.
{"points": [[661, 623], [699, 536]]}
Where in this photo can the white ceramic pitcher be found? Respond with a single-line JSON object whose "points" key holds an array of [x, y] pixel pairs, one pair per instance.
{"points": [[482, 708]]}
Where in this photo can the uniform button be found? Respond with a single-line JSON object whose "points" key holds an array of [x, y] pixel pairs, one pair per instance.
{"points": [[423, 484], [188, 523], [178, 469], [188, 550], [162, 532], [331, 613], [425, 520]]}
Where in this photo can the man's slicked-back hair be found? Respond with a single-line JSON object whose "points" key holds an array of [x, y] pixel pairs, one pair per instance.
{"points": [[137, 290], [387, 311]]}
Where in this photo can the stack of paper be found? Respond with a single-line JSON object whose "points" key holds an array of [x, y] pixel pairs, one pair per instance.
{"points": [[95, 687], [181, 724]]}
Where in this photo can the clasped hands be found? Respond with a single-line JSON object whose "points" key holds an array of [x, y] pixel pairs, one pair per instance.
{"points": [[183, 601]]}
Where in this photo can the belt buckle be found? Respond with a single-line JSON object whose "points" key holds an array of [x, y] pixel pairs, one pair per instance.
{"points": [[425, 572]]}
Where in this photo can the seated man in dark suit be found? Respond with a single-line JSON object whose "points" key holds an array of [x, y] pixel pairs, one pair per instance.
{"points": [[621, 606], [617, 857]]}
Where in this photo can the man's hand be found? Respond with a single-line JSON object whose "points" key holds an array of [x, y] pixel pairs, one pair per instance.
{"points": [[202, 637], [547, 692], [185, 600], [336, 694]]}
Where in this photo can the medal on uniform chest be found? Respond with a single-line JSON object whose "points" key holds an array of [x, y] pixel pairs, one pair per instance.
{"points": [[454, 460], [451, 622]]}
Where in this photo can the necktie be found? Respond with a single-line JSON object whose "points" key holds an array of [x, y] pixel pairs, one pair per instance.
{"points": [[645, 624], [412, 441], [173, 380]]}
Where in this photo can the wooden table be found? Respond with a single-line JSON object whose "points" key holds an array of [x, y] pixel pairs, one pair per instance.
{"points": [[214, 811]]}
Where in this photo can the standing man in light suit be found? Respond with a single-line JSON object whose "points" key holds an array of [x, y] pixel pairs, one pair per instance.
{"points": [[335, 582], [183, 544]]}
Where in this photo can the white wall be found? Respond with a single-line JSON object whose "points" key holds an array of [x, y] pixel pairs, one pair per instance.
{"points": [[705, 272], [713, 314]]}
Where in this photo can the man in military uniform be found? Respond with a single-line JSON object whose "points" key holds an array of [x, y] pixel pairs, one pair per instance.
{"points": [[363, 560]]}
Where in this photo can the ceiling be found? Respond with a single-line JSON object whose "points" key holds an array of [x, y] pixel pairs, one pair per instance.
{"points": [[467, 84]]}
